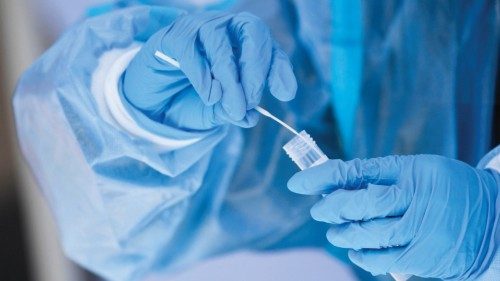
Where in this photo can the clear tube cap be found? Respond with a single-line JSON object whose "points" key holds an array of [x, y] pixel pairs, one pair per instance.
{"points": [[304, 152]]}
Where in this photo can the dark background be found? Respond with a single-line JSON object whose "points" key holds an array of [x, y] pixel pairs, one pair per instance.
{"points": [[13, 251], [28, 240]]}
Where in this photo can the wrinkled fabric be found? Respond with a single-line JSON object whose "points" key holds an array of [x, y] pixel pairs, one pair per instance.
{"points": [[430, 68], [424, 215], [125, 208]]}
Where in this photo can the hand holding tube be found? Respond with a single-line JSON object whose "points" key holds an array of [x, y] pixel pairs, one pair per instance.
{"points": [[423, 215]]}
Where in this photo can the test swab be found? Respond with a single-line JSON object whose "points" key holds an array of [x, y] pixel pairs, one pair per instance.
{"points": [[168, 59], [302, 149], [268, 114]]}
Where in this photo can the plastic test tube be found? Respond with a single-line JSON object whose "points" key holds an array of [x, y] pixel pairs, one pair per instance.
{"points": [[304, 152], [302, 149]]}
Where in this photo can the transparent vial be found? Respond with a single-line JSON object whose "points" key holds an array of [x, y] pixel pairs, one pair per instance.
{"points": [[304, 151]]}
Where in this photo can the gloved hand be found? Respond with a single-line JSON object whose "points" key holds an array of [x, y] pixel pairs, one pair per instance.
{"points": [[423, 215], [225, 60]]}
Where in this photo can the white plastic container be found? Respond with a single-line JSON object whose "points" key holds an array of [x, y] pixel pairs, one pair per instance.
{"points": [[304, 151]]}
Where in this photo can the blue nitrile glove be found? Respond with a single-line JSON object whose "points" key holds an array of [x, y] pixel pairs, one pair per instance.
{"points": [[423, 215], [226, 61]]}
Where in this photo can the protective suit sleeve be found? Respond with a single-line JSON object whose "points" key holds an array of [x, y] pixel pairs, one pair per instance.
{"points": [[492, 161], [118, 198]]}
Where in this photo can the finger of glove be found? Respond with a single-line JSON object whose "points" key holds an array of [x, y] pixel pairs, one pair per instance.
{"points": [[217, 45], [255, 44], [380, 261], [181, 42], [281, 80], [192, 62], [376, 201], [199, 74], [182, 106], [250, 120], [374, 234], [187, 111], [337, 174], [215, 115], [149, 82]]}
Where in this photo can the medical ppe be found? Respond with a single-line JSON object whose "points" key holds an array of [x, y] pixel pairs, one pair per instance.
{"points": [[134, 195], [129, 205], [424, 215], [225, 61]]}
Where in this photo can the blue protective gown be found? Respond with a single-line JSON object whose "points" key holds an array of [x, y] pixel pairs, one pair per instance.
{"points": [[425, 84]]}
